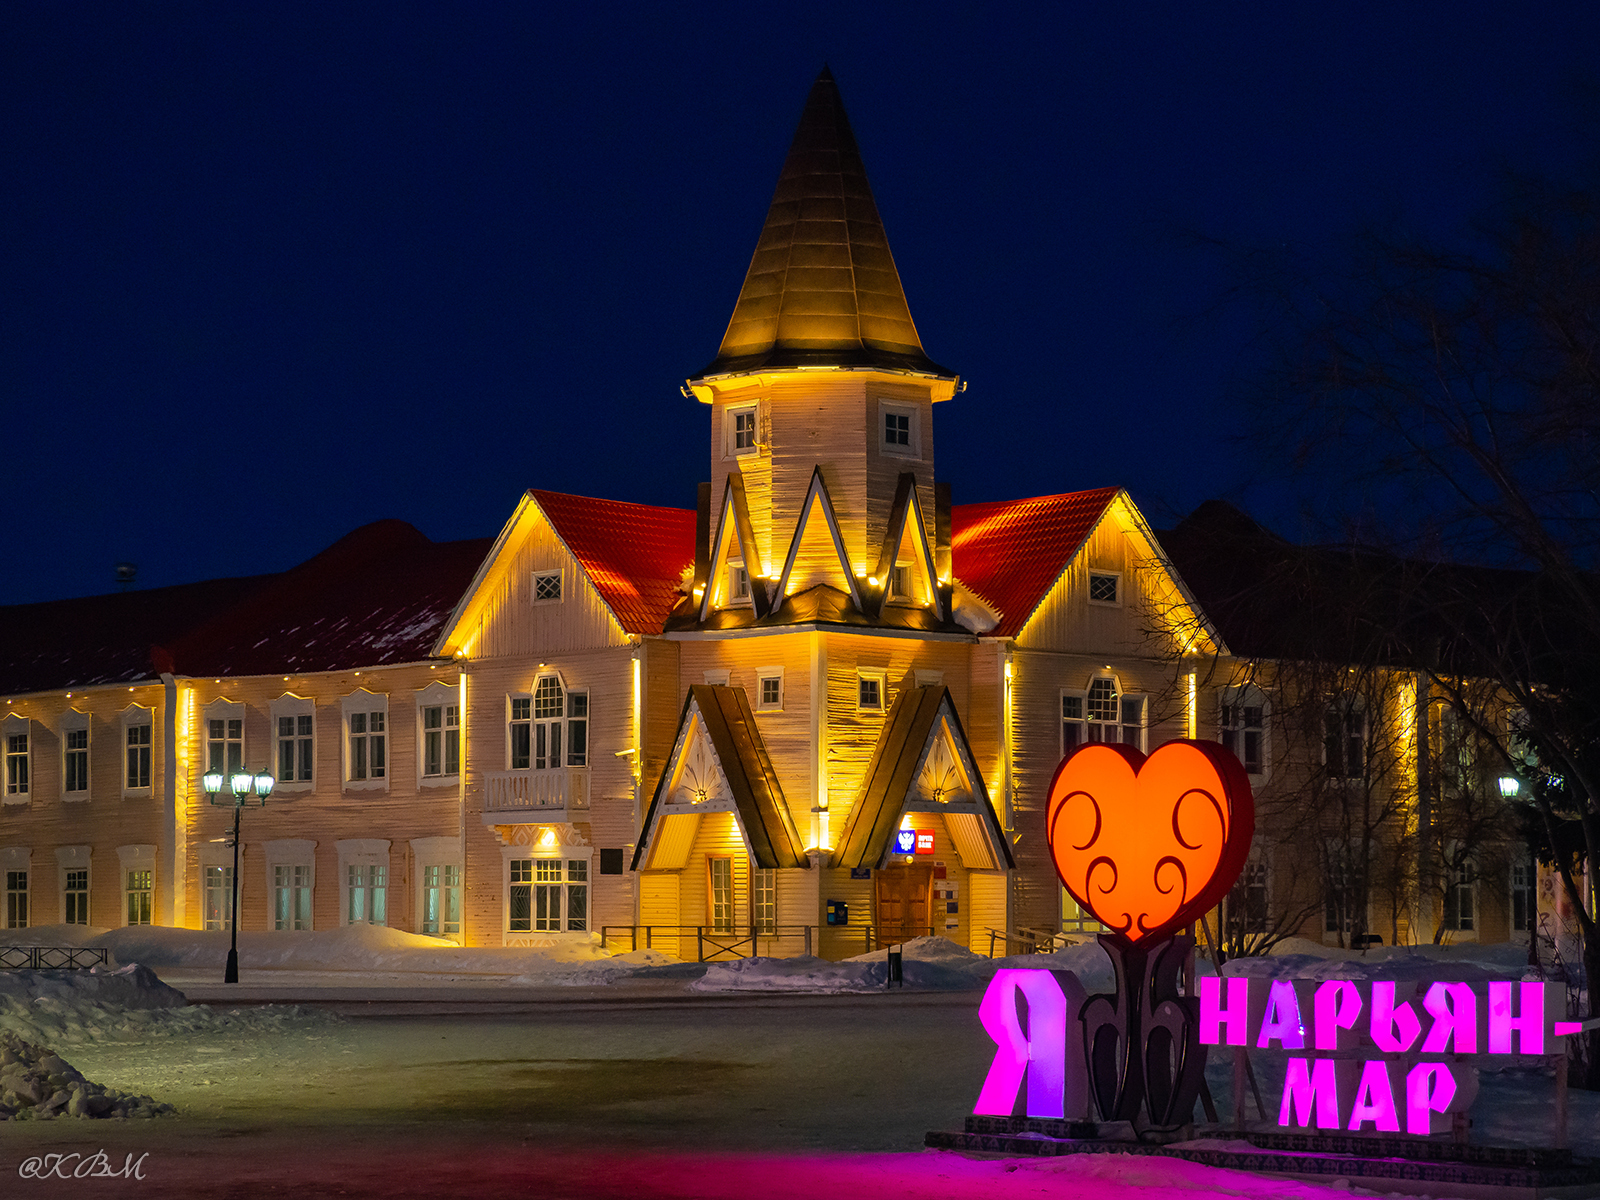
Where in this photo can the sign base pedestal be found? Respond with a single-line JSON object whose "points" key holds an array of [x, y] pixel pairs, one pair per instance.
{"points": [[1378, 1163]]}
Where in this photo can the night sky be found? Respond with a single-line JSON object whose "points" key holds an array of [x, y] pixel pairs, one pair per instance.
{"points": [[272, 271]]}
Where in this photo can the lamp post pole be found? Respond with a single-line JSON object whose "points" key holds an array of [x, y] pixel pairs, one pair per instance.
{"points": [[243, 785]]}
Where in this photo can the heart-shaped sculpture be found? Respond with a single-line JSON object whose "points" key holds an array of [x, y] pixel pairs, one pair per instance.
{"points": [[1148, 844]]}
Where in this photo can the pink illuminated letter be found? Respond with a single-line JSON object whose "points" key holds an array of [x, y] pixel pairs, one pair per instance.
{"points": [[1455, 1018], [1310, 1091], [1040, 1053], [1375, 1099], [1236, 1016], [1429, 1089], [1336, 1007], [1530, 1023], [1394, 1027], [1282, 1020]]}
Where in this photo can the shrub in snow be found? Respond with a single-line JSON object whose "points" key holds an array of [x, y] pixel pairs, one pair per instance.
{"points": [[37, 1084]]}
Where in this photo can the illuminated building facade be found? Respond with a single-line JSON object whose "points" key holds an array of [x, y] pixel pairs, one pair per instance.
{"points": [[817, 712]]}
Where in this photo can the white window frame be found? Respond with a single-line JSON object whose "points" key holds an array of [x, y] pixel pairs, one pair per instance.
{"points": [[1232, 700], [1456, 887], [70, 859], [138, 717], [717, 678], [16, 860], [929, 678], [881, 677], [442, 853], [762, 675], [18, 773], [547, 573], [290, 854], [444, 697], [730, 430], [73, 721], [1090, 729], [1088, 587], [361, 702], [1257, 873], [364, 854], [224, 710], [293, 708], [737, 574], [1347, 708], [1531, 894], [141, 858], [224, 874], [535, 722], [566, 855], [763, 883], [900, 408]]}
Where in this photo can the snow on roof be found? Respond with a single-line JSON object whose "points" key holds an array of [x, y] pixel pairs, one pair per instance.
{"points": [[634, 554], [1011, 552], [378, 595], [94, 640]]}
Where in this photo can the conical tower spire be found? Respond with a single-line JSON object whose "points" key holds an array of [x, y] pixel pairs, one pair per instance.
{"points": [[822, 289]]}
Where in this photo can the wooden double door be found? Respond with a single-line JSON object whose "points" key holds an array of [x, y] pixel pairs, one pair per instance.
{"points": [[904, 894]]}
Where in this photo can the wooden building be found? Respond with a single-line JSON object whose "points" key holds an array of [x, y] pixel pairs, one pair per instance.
{"points": [[815, 712]]}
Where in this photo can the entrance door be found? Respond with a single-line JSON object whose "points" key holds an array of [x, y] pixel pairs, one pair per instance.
{"points": [[905, 903]]}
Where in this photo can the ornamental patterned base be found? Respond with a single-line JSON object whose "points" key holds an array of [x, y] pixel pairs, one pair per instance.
{"points": [[1142, 1043]]}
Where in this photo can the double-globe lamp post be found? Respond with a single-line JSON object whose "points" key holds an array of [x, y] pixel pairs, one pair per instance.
{"points": [[246, 789]]}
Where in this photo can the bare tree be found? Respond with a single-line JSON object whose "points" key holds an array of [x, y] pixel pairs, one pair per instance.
{"points": [[1455, 389]]}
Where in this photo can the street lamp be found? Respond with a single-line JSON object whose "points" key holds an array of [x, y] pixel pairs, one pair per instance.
{"points": [[245, 788]]}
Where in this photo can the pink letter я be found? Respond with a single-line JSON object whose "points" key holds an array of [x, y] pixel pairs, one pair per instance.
{"points": [[1049, 1054]]}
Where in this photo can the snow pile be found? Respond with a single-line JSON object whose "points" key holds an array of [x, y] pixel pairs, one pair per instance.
{"points": [[927, 963], [127, 1005], [37, 1084], [634, 964]]}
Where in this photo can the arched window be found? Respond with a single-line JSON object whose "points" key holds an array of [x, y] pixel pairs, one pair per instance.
{"points": [[1102, 713]]}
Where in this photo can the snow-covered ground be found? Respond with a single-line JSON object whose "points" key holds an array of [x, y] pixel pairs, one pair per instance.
{"points": [[771, 1077]]}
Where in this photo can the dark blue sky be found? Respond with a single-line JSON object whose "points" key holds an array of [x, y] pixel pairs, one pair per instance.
{"points": [[273, 271]]}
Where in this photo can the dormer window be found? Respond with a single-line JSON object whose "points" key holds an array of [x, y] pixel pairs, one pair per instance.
{"points": [[738, 584], [900, 583]]}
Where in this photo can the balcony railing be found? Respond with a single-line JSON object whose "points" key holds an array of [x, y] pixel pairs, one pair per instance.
{"points": [[513, 796]]}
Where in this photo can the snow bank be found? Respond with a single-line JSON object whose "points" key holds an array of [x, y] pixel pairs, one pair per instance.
{"points": [[36, 1084], [126, 1005], [372, 948], [928, 963]]}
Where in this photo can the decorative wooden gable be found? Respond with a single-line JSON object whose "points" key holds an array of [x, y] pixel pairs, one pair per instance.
{"points": [[907, 571], [736, 543], [718, 764], [923, 763], [1146, 594], [816, 553]]}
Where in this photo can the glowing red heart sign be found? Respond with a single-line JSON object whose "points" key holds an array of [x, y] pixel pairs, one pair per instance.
{"points": [[1149, 844]]}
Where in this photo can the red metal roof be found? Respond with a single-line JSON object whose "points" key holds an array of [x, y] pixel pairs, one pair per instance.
{"points": [[1011, 552], [380, 594], [634, 554]]}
